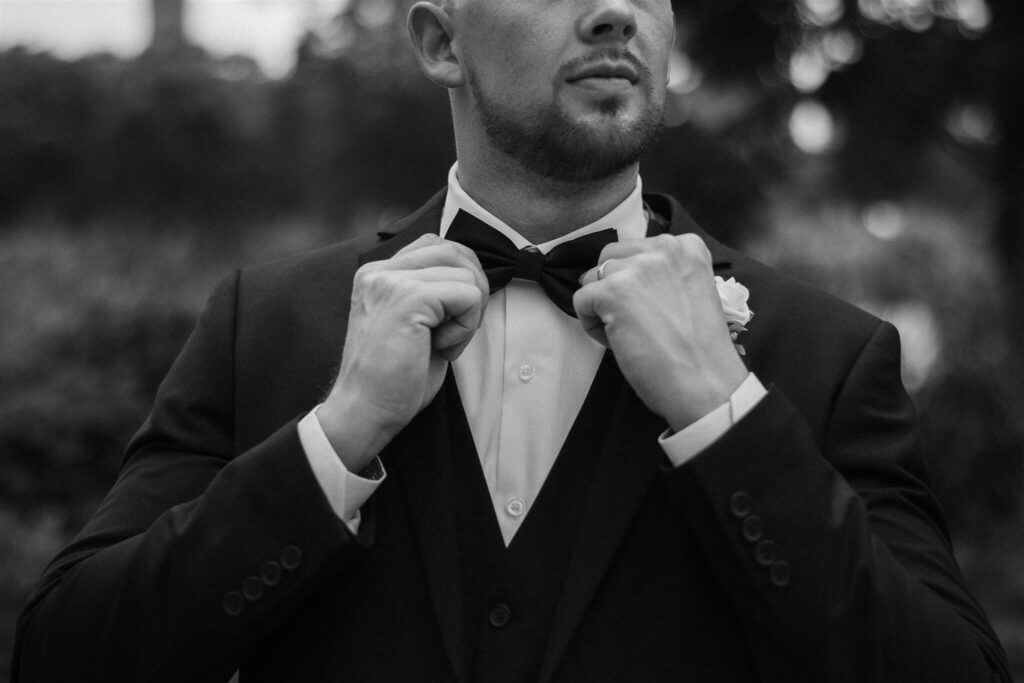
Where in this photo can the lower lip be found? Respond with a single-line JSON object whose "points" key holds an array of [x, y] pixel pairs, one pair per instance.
{"points": [[603, 84]]}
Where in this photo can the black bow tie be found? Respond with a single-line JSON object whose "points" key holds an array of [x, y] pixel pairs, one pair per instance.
{"points": [[557, 272]]}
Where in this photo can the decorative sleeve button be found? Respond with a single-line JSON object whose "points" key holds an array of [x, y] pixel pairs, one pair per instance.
{"points": [[739, 504], [781, 573], [233, 603], [752, 528], [766, 552], [252, 588], [291, 557], [270, 572]]}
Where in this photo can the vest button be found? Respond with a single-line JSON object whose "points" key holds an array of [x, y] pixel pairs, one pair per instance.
{"points": [[499, 616]]}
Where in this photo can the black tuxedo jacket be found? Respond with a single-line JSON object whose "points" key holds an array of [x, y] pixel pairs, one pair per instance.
{"points": [[804, 545]]}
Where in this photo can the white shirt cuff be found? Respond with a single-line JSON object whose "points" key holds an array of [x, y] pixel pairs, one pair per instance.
{"points": [[685, 444], [346, 492]]}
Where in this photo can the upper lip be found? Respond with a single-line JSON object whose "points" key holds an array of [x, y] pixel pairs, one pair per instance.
{"points": [[606, 69]]}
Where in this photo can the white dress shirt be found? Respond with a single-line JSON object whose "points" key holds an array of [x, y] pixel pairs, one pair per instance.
{"points": [[522, 380]]}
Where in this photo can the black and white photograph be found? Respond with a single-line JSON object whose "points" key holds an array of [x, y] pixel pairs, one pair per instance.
{"points": [[512, 341]]}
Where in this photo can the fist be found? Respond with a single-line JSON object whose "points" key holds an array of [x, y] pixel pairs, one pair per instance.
{"points": [[410, 316], [656, 307]]}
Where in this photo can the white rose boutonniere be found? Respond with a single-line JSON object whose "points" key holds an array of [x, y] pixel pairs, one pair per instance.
{"points": [[734, 296]]}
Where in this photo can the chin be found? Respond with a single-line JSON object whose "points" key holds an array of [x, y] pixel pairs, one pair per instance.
{"points": [[577, 142], [596, 146]]}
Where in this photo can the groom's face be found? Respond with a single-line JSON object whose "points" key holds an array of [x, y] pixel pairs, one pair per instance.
{"points": [[573, 88]]}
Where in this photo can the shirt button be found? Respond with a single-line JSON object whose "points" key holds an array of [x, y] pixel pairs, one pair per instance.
{"points": [[499, 616], [515, 507], [526, 371]]}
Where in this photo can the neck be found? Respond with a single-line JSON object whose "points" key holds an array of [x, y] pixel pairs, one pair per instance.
{"points": [[541, 209]]}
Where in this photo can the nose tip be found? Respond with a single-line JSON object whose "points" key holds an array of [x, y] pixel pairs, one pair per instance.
{"points": [[611, 23]]}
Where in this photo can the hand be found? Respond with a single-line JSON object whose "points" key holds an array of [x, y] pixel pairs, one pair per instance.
{"points": [[657, 308], [410, 316]]}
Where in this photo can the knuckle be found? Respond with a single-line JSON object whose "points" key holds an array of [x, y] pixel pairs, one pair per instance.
{"points": [[445, 251], [664, 241], [364, 273], [649, 261], [452, 250], [694, 246], [373, 283], [607, 252]]}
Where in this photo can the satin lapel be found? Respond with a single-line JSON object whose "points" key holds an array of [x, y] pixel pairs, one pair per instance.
{"points": [[422, 460], [628, 463], [680, 223]]}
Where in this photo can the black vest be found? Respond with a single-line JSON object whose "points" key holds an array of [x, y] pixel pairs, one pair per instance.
{"points": [[510, 594]]}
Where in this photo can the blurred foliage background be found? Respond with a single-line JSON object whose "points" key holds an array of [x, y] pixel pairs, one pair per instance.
{"points": [[873, 147]]}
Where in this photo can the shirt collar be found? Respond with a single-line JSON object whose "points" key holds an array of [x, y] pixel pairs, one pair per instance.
{"points": [[628, 219]]}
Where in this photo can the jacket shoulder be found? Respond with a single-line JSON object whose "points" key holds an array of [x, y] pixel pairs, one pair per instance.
{"points": [[313, 268]]}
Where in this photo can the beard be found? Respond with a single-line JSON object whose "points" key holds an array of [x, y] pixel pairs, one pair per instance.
{"points": [[549, 143]]}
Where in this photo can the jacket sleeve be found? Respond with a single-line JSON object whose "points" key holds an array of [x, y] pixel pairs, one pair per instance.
{"points": [[197, 551], [836, 554]]}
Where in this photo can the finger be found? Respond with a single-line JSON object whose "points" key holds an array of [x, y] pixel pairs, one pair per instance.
{"points": [[440, 274], [689, 244], [585, 302], [602, 270], [453, 352], [456, 310], [426, 240], [622, 251], [627, 248], [595, 328], [431, 250]]}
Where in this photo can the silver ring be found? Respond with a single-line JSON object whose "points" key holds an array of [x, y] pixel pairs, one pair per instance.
{"points": [[600, 269]]}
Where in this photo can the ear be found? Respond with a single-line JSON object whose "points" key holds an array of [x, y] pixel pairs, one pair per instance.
{"points": [[430, 28]]}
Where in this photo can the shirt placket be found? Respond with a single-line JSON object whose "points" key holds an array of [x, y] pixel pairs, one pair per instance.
{"points": [[523, 456]]}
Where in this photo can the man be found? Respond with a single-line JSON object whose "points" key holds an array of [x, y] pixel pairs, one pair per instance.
{"points": [[485, 493]]}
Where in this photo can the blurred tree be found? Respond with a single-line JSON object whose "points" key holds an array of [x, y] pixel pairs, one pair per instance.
{"points": [[872, 103], [1005, 63], [48, 114], [168, 27], [362, 129]]}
